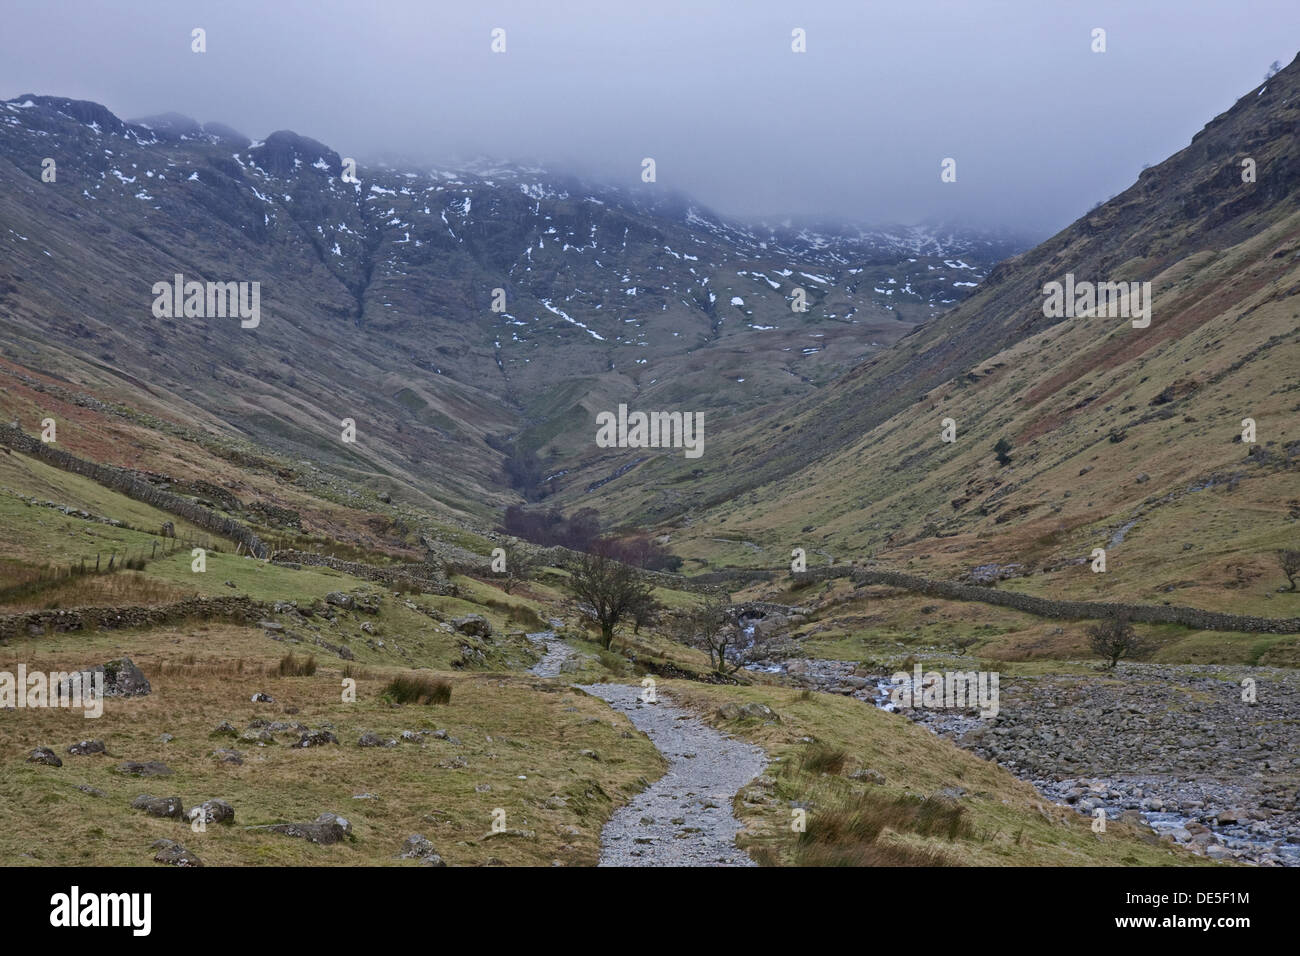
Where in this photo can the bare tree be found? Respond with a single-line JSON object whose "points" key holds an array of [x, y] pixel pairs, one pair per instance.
{"points": [[608, 591], [1114, 638], [1290, 562], [713, 628]]}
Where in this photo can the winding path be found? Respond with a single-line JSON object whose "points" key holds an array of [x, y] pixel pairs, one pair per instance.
{"points": [[684, 818]]}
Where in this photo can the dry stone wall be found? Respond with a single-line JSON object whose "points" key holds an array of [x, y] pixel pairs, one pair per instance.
{"points": [[1070, 610], [129, 483]]}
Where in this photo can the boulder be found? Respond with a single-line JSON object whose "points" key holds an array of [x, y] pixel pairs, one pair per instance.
{"points": [[46, 756], [121, 679], [474, 625], [340, 599], [166, 807], [84, 747], [748, 712], [315, 738], [173, 854], [374, 740], [212, 811], [417, 847], [326, 829]]}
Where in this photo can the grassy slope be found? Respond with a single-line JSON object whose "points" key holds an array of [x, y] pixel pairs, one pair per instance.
{"points": [[510, 727], [1227, 330]]}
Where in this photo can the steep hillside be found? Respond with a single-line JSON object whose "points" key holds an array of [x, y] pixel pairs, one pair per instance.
{"points": [[1121, 437]]}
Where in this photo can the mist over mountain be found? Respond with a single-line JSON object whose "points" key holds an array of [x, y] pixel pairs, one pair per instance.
{"points": [[855, 127]]}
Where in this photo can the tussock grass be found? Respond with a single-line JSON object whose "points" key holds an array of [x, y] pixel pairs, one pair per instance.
{"points": [[848, 831], [418, 689], [819, 758], [292, 666]]}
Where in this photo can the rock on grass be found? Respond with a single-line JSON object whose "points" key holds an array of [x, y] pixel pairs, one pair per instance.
{"points": [[325, 829], [417, 847], [166, 807], [46, 756], [316, 738], [212, 811], [173, 854]]}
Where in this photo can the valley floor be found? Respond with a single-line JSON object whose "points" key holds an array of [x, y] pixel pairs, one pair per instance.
{"points": [[1173, 748]]}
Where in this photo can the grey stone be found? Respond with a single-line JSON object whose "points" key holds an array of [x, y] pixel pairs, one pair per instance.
{"points": [[167, 807], [212, 811], [326, 829], [173, 854], [417, 847], [315, 738], [44, 755]]}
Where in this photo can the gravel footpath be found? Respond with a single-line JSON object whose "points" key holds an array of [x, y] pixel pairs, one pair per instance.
{"points": [[685, 817], [557, 652]]}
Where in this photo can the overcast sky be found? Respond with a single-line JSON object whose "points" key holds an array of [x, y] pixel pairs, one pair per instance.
{"points": [[856, 127]]}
